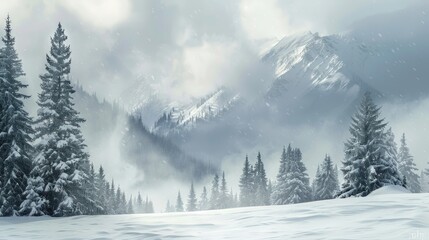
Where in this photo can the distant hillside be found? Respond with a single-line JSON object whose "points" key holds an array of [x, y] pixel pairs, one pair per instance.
{"points": [[155, 156]]}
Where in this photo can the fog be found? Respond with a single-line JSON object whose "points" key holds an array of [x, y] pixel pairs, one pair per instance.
{"points": [[189, 49]]}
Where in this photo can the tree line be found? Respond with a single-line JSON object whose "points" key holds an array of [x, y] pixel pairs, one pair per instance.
{"points": [[44, 166], [372, 160]]}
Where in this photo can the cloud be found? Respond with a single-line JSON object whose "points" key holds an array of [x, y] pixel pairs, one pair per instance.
{"points": [[190, 47], [263, 20], [102, 14]]}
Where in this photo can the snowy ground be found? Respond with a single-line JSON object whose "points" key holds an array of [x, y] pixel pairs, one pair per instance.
{"points": [[388, 214]]}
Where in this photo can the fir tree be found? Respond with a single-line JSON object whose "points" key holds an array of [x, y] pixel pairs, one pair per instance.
{"points": [[367, 165], [100, 189], [61, 159], [111, 199], [279, 194], [204, 201], [34, 204], [297, 182], [214, 196], [123, 208], [424, 183], [168, 207], [326, 185], [314, 183], [269, 191], [117, 201], [192, 200], [15, 131], [148, 206], [130, 208], [179, 203], [94, 202], [139, 204], [260, 183], [246, 185], [224, 199], [407, 167]]}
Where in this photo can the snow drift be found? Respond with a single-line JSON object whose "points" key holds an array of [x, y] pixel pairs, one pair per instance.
{"points": [[383, 216]]}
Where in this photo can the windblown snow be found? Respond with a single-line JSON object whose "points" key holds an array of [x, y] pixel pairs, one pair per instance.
{"points": [[390, 213]]}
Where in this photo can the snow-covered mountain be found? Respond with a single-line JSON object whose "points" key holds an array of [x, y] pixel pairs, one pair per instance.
{"points": [[143, 99], [310, 61], [187, 117], [317, 80]]}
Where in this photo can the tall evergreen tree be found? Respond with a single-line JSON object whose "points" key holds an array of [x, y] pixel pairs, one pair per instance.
{"points": [[424, 183], [260, 183], [117, 201], [246, 185], [130, 207], [139, 203], [93, 204], [279, 195], [111, 199], [192, 200], [204, 201], [123, 208], [326, 185], [100, 189], [148, 206], [15, 130], [214, 196], [61, 158], [314, 183], [269, 191], [367, 165], [179, 203], [224, 199], [169, 207], [408, 168], [297, 182]]}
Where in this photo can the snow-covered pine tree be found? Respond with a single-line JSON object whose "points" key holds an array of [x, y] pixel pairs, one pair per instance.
{"points": [[326, 185], [168, 207], [407, 167], [192, 200], [61, 158], [269, 191], [94, 204], [260, 183], [424, 183], [314, 183], [214, 196], [367, 165], [179, 203], [224, 199], [279, 195], [297, 182], [130, 207], [34, 204], [204, 200], [236, 201], [139, 204], [110, 192], [118, 200], [15, 131], [150, 207], [246, 185], [101, 193], [232, 203], [123, 208]]}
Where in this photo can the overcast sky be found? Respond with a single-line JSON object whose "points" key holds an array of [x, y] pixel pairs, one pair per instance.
{"points": [[187, 47]]}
